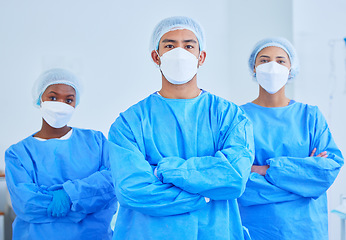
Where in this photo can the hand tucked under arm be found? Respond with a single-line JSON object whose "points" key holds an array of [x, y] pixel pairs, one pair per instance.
{"points": [[322, 154], [259, 191], [262, 170], [60, 205]]}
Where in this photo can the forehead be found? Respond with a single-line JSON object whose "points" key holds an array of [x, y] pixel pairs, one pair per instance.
{"points": [[272, 51], [60, 88], [179, 34]]}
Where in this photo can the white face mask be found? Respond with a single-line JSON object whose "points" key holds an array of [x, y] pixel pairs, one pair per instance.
{"points": [[178, 65], [56, 114], [272, 76]]}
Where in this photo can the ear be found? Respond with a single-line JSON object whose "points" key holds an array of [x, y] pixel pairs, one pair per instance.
{"points": [[155, 57], [201, 58]]}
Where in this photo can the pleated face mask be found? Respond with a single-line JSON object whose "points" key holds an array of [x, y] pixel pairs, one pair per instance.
{"points": [[178, 65], [272, 76], [56, 114]]}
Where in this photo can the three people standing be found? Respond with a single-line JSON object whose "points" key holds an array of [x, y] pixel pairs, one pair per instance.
{"points": [[179, 158]]}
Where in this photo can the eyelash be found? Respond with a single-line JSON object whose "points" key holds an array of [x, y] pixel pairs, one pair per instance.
{"points": [[279, 61], [172, 46], [68, 101], [169, 46]]}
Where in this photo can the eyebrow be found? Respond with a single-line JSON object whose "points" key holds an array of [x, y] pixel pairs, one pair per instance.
{"points": [[174, 41], [190, 40], [269, 57], [71, 95]]}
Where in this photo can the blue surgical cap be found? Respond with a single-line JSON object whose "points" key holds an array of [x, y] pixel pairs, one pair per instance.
{"points": [[171, 23], [51, 77], [276, 42]]}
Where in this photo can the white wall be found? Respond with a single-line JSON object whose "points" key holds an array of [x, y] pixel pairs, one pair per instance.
{"points": [[322, 81], [106, 44]]}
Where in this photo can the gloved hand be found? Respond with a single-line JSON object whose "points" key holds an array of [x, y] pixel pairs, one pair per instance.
{"points": [[60, 205]]}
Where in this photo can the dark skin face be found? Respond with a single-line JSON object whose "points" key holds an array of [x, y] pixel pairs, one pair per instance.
{"points": [[61, 93]]}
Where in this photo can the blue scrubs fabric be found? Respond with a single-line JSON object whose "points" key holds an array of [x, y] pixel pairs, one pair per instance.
{"points": [[290, 201], [201, 147], [79, 165]]}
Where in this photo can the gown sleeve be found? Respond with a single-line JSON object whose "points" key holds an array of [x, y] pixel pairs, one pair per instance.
{"points": [[136, 185], [29, 201], [219, 177], [309, 176], [95, 192], [259, 191]]}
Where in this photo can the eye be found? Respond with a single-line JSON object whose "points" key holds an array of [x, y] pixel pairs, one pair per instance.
{"points": [[169, 46], [52, 98], [281, 62], [189, 47], [69, 101], [264, 61]]}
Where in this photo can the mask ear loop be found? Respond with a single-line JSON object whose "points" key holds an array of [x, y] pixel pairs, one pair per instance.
{"points": [[158, 56], [41, 100], [157, 53], [200, 52]]}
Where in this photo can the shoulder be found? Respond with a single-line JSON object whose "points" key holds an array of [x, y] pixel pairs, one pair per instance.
{"points": [[87, 134], [135, 113], [226, 110], [309, 110], [21, 143], [309, 113], [138, 108], [221, 103], [247, 106], [20, 147]]}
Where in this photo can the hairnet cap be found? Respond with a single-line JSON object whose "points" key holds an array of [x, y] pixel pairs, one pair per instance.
{"points": [[276, 42], [51, 77], [171, 23]]}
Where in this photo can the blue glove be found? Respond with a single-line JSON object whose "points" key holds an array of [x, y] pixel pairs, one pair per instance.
{"points": [[60, 205]]}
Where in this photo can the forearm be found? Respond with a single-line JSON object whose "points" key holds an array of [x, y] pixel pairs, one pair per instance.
{"points": [[259, 191], [220, 177], [91, 194], [158, 199], [308, 177]]}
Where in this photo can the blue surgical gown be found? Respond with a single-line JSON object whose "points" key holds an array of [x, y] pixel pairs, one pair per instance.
{"points": [[201, 147], [290, 201], [79, 165]]}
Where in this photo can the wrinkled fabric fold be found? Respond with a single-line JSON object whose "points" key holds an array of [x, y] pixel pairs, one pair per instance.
{"points": [[290, 201], [34, 168], [200, 147]]}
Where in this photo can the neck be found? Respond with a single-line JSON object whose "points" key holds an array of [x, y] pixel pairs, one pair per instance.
{"points": [[48, 132], [183, 91], [277, 99]]}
